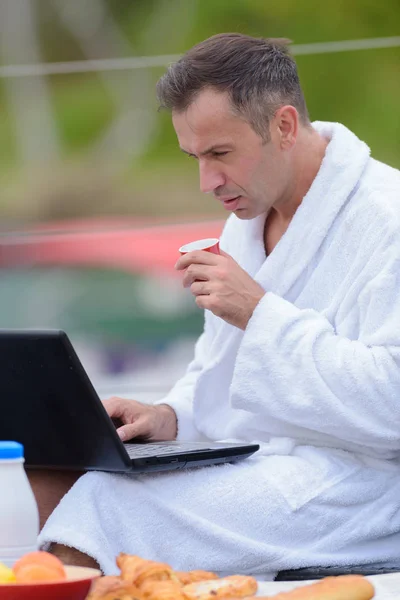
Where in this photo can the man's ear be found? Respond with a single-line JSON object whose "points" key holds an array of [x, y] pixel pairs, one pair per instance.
{"points": [[287, 124]]}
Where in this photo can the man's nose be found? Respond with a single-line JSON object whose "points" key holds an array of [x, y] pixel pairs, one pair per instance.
{"points": [[211, 177]]}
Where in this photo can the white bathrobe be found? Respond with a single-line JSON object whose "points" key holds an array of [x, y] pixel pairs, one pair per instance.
{"points": [[314, 378]]}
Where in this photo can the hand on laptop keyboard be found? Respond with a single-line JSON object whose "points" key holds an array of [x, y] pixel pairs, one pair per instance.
{"points": [[142, 421]]}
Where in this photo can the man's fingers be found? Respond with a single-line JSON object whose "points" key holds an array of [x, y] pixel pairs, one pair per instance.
{"points": [[196, 272], [121, 408], [138, 429], [114, 407], [200, 288], [200, 257], [126, 432]]}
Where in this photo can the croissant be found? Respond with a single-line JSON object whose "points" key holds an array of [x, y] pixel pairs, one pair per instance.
{"points": [[113, 588], [192, 576], [343, 587], [162, 590], [121, 594], [136, 570], [235, 586]]}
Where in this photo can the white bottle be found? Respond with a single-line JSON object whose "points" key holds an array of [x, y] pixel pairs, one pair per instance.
{"points": [[19, 515]]}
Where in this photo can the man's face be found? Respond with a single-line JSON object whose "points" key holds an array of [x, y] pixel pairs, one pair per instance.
{"points": [[246, 174]]}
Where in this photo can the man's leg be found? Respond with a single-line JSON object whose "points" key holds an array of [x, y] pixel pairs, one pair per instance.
{"points": [[71, 556], [49, 487]]}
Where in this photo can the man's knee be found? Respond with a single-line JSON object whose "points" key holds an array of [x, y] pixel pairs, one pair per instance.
{"points": [[49, 487]]}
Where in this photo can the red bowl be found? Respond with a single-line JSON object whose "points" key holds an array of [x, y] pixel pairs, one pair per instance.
{"points": [[75, 587]]}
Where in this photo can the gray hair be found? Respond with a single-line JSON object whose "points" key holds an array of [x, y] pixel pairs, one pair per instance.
{"points": [[258, 73]]}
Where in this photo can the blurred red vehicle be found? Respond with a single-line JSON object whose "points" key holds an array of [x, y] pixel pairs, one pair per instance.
{"points": [[131, 245]]}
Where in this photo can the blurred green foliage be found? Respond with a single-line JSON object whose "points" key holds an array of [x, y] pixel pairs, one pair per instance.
{"points": [[360, 89], [83, 110]]}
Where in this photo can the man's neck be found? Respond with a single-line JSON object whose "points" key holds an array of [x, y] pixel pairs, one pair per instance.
{"points": [[309, 153]]}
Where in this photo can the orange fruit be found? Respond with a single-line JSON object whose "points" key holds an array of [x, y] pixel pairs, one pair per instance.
{"points": [[39, 566], [35, 573]]}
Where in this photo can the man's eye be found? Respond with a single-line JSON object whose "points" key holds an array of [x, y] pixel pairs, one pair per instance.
{"points": [[219, 153]]}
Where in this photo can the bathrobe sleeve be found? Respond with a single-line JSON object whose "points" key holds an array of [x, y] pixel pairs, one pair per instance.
{"points": [[180, 398], [294, 366]]}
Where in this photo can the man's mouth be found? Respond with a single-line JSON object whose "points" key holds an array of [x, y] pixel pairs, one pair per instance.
{"points": [[230, 203]]}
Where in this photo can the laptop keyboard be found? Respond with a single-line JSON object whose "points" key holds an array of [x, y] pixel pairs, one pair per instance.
{"points": [[160, 448]]}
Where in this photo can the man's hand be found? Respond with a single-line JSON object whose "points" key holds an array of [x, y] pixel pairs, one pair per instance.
{"points": [[146, 422], [221, 285]]}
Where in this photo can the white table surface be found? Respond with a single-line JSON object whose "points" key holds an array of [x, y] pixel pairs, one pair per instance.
{"points": [[387, 587]]}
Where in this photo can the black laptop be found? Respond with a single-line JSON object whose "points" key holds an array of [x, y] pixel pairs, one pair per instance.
{"points": [[49, 405]]}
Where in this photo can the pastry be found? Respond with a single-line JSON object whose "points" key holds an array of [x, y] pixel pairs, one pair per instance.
{"points": [[192, 576], [343, 587], [113, 588], [235, 586], [136, 570], [162, 590]]}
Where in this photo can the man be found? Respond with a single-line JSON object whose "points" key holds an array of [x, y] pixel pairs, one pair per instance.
{"points": [[300, 350]]}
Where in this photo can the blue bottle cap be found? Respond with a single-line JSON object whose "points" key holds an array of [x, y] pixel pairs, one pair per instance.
{"points": [[11, 450]]}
